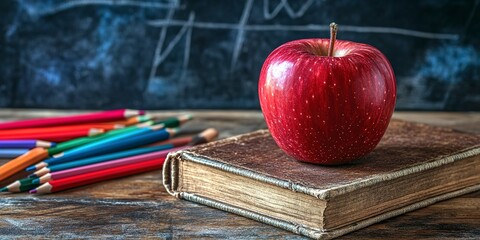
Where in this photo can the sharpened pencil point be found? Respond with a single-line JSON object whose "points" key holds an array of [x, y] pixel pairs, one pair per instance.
{"points": [[31, 168], [36, 181], [33, 191], [33, 175], [4, 189]]}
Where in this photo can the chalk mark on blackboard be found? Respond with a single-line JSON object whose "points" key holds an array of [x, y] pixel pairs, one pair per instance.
{"points": [[79, 3], [188, 43], [241, 32], [284, 4], [161, 40], [161, 54]]}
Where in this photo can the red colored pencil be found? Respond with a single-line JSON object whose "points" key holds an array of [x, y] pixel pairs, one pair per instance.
{"points": [[83, 127], [106, 116], [102, 175], [55, 136]]}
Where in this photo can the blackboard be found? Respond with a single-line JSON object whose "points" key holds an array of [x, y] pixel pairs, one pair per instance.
{"points": [[98, 54]]}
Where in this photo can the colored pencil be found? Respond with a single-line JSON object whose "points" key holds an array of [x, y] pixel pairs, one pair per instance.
{"points": [[61, 147], [99, 159], [203, 137], [84, 127], [207, 135], [103, 165], [106, 116], [13, 166], [21, 185], [55, 136], [174, 121], [133, 120], [25, 144], [102, 175], [178, 141], [142, 136], [12, 152]]}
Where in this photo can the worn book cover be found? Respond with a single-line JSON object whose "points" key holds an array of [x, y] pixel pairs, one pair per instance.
{"points": [[413, 166]]}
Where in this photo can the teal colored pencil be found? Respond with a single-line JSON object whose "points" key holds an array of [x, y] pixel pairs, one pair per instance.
{"points": [[98, 159], [61, 147]]}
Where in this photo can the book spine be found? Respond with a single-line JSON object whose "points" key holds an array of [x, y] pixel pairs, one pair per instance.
{"points": [[170, 173], [170, 182]]}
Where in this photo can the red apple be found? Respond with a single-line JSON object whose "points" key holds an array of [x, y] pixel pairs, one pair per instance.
{"points": [[327, 109]]}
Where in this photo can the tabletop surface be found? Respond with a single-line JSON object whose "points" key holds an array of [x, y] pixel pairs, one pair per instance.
{"points": [[138, 206]]}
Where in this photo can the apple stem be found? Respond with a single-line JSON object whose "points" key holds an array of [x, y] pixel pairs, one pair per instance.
{"points": [[333, 37]]}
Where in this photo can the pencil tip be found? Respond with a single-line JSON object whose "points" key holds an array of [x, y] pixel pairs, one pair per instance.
{"points": [[31, 168], [33, 175], [184, 118], [33, 191], [172, 131], [4, 189], [36, 181]]}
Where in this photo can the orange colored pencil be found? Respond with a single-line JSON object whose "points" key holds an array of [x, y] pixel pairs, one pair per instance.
{"points": [[55, 136], [18, 164]]}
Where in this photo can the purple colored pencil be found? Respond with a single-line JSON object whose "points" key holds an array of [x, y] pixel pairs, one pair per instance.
{"points": [[105, 165], [29, 144]]}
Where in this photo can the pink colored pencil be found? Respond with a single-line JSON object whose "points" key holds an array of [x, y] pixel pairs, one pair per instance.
{"points": [[105, 116], [105, 165]]}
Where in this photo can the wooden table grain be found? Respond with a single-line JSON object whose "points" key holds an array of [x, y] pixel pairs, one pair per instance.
{"points": [[139, 207]]}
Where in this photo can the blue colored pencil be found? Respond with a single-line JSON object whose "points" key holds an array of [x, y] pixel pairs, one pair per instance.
{"points": [[97, 148], [23, 144], [98, 159], [12, 152]]}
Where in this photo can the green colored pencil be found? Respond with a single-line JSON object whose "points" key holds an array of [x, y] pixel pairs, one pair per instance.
{"points": [[174, 122], [21, 185]]}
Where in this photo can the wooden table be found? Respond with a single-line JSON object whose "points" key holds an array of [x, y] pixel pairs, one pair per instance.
{"points": [[139, 207]]}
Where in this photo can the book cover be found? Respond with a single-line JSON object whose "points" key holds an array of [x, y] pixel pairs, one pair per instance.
{"points": [[413, 166]]}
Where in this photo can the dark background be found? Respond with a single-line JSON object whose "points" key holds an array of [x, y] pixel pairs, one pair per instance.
{"points": [[98, 54]]}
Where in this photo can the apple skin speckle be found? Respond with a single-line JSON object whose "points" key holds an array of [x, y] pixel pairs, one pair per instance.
{"points": [[351, 98]]}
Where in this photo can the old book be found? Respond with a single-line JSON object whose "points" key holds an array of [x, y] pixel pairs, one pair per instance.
{"points": [[413, 166]]}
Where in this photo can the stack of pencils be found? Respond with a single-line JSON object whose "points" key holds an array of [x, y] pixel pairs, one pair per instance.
{"points": [[61, 153]]}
